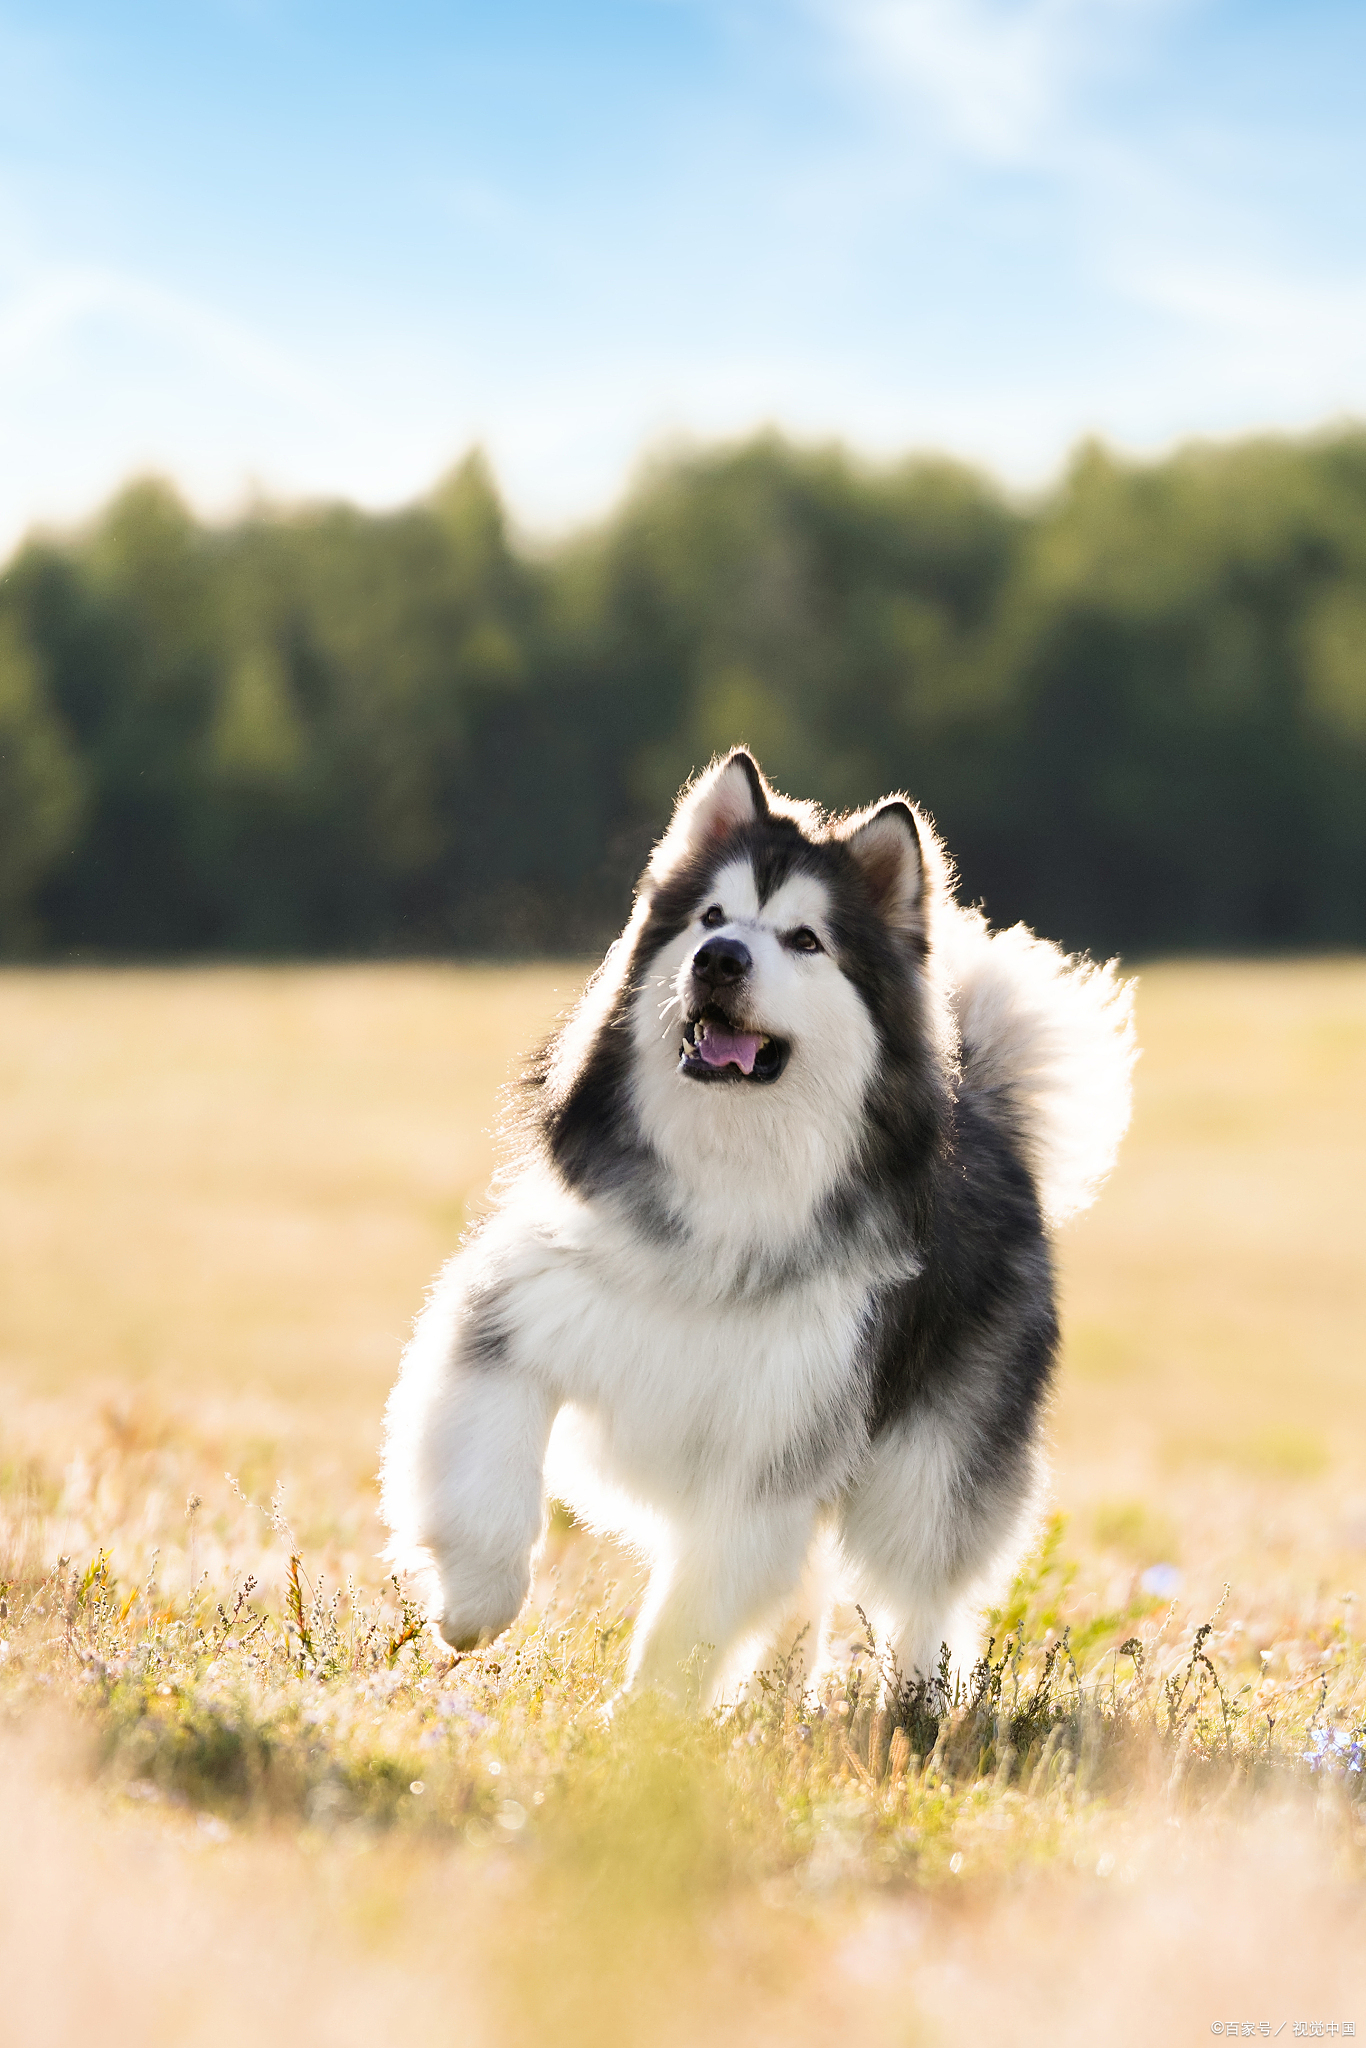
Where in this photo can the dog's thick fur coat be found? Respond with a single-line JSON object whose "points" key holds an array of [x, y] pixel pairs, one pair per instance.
{"points": [[769, 1288]]}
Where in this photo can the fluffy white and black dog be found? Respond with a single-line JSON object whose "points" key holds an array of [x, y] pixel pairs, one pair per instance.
{"points": [[769, 1289]]}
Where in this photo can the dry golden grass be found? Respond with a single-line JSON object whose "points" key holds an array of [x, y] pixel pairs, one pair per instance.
{"points": [[239, 1182], [222, 1194]]}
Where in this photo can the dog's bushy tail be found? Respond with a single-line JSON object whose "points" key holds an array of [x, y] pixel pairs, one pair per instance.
{"points": [[1050, 1039]]}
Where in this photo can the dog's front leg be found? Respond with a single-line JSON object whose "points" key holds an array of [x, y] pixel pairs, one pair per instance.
{"points": [[463, 1479], [717, 1586]]}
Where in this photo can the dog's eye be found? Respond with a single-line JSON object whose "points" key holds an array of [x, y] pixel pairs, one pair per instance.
{"points": [[804, 940], [716, 915]]}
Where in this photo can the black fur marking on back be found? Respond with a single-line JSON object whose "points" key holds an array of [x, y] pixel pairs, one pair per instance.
{"points": [[973, 1337]]}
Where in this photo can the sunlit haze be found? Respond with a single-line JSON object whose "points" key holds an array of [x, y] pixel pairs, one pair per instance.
{"points": [[270, 245]]}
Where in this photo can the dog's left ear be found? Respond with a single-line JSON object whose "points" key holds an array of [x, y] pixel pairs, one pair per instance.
{"points": [[729, 794], [886, 845]]}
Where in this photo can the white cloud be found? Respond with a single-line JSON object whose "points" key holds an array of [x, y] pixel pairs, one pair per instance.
{"points": [[998, 74], [1169, 296], [1019, 237], [1303, 337], [1285, 311], [103, 373], [52, 306]]}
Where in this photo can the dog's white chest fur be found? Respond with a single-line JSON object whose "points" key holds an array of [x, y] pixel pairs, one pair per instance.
{"points": [[693, 1371], [699, 1403]]}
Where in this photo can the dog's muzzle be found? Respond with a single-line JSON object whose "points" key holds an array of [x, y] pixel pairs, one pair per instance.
{"points": [[718, 1046], [720, 963]]}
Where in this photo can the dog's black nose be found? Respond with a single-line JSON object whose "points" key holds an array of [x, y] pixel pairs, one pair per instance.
{"points": [[721, 961]]}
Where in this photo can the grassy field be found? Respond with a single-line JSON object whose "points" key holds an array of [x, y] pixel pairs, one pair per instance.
{"points": [[222, 1194]]}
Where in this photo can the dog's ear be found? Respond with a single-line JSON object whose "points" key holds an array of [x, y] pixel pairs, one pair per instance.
{"points": [[886, 845], [729, 794]]}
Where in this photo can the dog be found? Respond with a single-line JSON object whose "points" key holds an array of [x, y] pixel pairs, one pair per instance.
{"points": [[768, 1289]]}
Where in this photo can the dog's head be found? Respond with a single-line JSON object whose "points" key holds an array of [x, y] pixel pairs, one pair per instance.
{"points": [[777, 971], [783, 938], [766, 1009]]}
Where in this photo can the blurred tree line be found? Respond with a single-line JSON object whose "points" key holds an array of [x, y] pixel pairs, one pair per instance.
{"points": [[1137, 706]]}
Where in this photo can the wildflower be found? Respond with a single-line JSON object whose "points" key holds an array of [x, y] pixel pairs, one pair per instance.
{"points": [[472, 1719], [1332, 1749]]}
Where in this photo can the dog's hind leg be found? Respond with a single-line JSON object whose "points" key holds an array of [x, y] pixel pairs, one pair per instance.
{"points": [[926, 1540], [724, 1579]]}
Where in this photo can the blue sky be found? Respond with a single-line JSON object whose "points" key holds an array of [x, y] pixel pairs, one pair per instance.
{"points": [[307, 248]]}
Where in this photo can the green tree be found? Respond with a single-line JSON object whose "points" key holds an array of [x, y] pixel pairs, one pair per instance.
{"points": [[1137, 705], [40, 790]]}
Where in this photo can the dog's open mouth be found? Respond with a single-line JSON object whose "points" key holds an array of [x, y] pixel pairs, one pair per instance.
{"points": [[714, 1049]]}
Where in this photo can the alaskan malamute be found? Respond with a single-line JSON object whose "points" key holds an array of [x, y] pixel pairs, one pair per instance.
{"points": [[769, 1289]]}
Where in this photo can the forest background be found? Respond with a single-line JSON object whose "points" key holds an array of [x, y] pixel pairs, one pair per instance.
{"points": [[1136, 704]]}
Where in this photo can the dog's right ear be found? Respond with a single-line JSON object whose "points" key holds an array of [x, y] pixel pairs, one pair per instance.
{"points": [[729, 794]]}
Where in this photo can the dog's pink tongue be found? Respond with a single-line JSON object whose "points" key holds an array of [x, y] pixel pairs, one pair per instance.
{"points": [[720, 1047]]}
